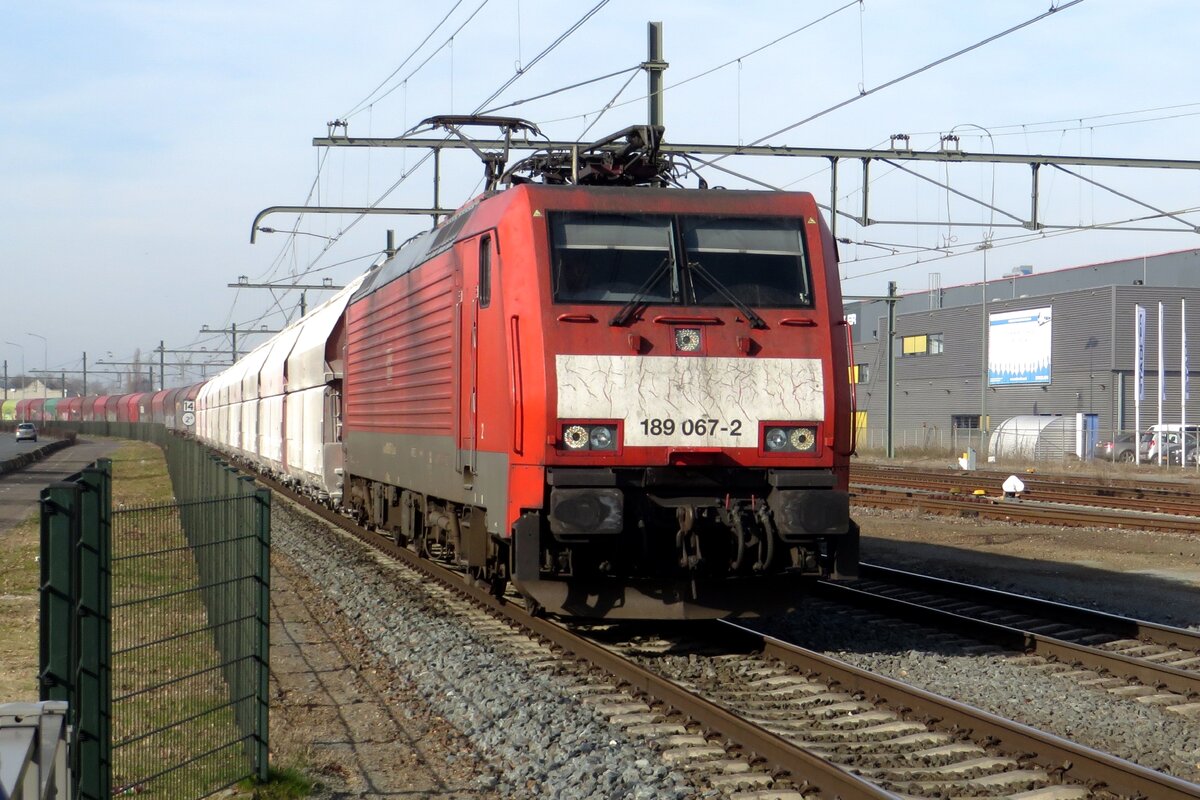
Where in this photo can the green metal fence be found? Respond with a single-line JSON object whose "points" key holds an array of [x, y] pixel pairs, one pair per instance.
{"points": [[177, 614]]}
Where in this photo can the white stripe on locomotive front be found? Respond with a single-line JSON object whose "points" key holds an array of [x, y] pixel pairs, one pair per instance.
{"points": [[736, 392]]}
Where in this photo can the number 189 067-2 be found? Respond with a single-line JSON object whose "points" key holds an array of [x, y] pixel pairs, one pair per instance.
{"points": [[703, 426]]}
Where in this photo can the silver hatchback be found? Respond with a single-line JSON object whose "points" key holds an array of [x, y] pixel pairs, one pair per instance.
{"points": [[26, 430]]}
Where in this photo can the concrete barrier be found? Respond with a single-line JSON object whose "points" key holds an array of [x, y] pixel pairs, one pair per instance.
{"points": [[37, 454], [33, 750]]}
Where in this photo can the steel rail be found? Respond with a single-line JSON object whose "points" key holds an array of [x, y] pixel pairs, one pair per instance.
{"points": [[1024, 510], [1015, 637], [1115, 624], [1072, 761], [1179, 505], [1144, 487], [1179, 500]]}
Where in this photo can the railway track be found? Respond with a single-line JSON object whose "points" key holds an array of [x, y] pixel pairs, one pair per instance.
{"points": [[910, 742], [757, 717], [1170, 497], [1016, 510], [1165, 508], [1157, 663]]}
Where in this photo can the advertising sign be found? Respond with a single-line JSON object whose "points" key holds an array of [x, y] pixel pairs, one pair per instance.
{"points": [[1019, 347]]}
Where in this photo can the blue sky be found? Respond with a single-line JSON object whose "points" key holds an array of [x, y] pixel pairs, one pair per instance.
{"points": [[140, 138]]}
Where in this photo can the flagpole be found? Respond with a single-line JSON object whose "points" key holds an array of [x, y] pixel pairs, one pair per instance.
{"points": [[1183, 383], [1159, 439], [1139, 370]]}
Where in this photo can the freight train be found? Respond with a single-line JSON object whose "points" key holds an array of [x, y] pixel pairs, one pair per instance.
{"points": [[627, 402]]}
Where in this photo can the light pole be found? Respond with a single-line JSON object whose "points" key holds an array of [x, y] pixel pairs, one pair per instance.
{"points": [[983, 309], [45, 360], [24, 377], [1091, 345]]}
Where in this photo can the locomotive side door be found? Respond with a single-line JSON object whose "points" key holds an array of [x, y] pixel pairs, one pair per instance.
{"points": [[463, 359], [477, 258], [477, 348]]}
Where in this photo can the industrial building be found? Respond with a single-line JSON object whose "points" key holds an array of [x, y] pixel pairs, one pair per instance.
{"points": [[1058, 343]]}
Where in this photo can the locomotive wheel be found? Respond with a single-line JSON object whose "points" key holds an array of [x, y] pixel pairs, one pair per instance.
{"points": [[476, 576], [493, 584], [532, 607]]}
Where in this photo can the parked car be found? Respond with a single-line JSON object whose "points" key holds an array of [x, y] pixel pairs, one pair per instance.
{"points": [[26, 430], [1121, 448], [1173, 453]]}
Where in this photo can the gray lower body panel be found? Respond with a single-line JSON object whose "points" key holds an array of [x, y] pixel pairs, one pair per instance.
{"points": [[431, 465]]}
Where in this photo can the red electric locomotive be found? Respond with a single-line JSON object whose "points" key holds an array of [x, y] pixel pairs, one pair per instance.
{"points": [[630, 402]]}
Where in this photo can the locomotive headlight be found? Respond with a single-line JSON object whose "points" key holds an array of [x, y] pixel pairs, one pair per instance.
{"points": [[687, 340], [601, 438], [776, 439], [575, 437], [790, 439], [803, 439]]}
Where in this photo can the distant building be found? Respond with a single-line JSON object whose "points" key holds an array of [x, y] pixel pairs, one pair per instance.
{"points": [[22, 389], [1059, 342]]}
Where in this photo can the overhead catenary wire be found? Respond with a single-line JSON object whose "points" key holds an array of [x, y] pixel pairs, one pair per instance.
{"points": [[368, 101], [448, 43], [561, 89], [971, 247], [404, 176], [592, 124], [1024, 128], [549, 49], [718, 67], [371, 99], [908, 75]]}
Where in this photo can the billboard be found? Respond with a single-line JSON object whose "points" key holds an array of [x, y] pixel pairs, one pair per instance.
{"points": [[1019, 347]]}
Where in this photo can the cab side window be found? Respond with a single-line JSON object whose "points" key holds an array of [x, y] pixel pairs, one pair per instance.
{"points": [[485, 271]]}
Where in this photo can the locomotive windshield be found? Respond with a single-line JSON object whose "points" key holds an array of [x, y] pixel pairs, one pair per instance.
{"points": [[687, 260], [608, 258]]}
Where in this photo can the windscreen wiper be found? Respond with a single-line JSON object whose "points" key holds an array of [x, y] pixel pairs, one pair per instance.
{"points": [[627, 310], [755, 320]]}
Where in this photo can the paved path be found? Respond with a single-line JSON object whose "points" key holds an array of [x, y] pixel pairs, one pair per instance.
{"points": [[19, 490], [342, 711], [10, 447]]}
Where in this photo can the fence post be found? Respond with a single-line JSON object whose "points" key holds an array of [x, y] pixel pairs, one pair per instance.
{"points": [[59, 522], [263, 650], [94, 712], [58, 592]]}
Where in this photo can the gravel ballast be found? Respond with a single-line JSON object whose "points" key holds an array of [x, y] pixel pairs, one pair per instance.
{"points": [[541, 741]]}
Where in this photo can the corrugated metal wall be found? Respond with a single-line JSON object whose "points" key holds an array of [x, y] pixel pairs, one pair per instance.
{"points": [[1092, 355]]}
